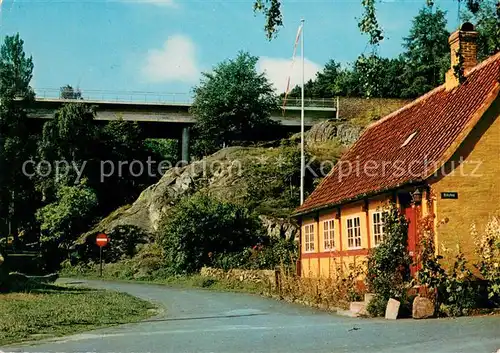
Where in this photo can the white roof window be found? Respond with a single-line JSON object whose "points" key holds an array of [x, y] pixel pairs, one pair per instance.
{"points": [[408, 140]]}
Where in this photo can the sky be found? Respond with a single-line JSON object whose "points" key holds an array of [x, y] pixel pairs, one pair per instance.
{"points": [[164, 45]]}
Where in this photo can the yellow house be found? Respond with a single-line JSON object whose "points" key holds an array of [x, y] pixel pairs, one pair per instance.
{"points": [[439, 156]]}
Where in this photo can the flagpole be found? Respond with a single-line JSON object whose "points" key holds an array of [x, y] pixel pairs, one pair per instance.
{"points": [[302, 155]]}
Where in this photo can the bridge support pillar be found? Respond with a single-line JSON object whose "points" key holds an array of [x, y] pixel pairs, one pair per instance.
{"points": [[185, 144]]}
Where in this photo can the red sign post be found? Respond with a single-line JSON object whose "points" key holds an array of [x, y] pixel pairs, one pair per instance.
{"points": [[101, 240]]}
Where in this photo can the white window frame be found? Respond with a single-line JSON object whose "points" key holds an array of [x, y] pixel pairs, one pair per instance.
{"points": [[353, 232], [329, 235], [378, 227], [309, 236]]}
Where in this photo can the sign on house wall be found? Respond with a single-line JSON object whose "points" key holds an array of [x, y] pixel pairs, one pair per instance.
{"points": [[449, 195]]}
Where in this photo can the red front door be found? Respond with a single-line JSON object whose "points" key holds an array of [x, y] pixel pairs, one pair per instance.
{"points": [[410, 213]]}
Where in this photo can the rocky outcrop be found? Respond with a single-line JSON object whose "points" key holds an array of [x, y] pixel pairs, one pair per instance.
{"points": [[221, 175], [280, 227], [343, 131], [217, 173]]}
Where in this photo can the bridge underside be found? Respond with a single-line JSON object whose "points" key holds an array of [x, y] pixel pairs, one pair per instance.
{"points": [[174, 121], [173, 130]]}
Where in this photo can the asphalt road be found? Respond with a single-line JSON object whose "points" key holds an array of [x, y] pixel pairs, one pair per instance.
{"points": [[207, 321]]}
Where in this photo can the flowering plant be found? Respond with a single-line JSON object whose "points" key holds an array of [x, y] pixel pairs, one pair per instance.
{"points": [[488, 250]]}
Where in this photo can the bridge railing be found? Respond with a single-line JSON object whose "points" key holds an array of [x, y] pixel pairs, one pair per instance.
{"points": [[122, 96], [168, 98], [311, 102]]}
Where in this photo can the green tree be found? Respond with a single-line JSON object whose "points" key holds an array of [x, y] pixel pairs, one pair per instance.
{"points": [[17, 197], [487, 20], [63, 219], [232, 102], [367, 24], [167, 149], [369, 76], [427, 52], [68, 92], [326, 83], [70, 134], [70, 137], [272, 11], [121, 143], [201, 228], [309, 90]]}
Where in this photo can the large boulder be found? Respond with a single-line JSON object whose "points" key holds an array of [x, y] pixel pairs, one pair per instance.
{"points": [[221, 175], [422, 308], [218, 173], [343, 131]]}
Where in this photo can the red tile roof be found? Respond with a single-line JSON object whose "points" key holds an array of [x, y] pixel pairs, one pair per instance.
{"points": [[440, 120]]}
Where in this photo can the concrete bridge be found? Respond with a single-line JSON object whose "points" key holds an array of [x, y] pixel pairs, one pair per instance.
{"points": [[168, 116]]}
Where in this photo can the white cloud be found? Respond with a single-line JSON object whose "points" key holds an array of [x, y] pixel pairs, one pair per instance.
{"points": [[176, 61], [278, 70]]}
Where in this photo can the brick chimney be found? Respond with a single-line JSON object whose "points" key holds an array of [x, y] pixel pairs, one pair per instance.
{"points": [[462, 41]]}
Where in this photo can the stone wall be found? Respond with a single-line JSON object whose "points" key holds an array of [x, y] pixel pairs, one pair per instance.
{"points": [[267, 277]]}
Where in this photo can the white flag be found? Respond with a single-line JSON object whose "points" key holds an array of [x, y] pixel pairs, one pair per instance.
{"points": [[297, 38]]}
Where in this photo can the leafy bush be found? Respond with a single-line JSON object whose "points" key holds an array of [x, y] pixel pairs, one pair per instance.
{"points": [[147, 264], [273, 253], [200, 228], [452, 290], [389, 263], [457, 293], [274, 183], [376, 307], [431, 274], [62, 220], [67, 215], [488, 251], [124, 243], [337, 291]]}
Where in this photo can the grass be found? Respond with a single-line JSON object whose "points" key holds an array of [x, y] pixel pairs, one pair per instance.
{"points": [[110, 273], [59, 311]]}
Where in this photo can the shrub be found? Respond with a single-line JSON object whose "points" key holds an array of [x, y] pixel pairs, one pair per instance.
{"points": [[274, 184], [272, 253], [389, 263], [488, 251], [147, 264], [431, 274], [452, 290], [337, 291], [124, 243], [376, 307], [200, 228], [457, 294]]}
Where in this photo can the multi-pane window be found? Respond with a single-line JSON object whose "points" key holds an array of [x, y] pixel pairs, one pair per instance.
{"points": [[309, 237], [378, 227], [353, 233], [328, 233]]}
